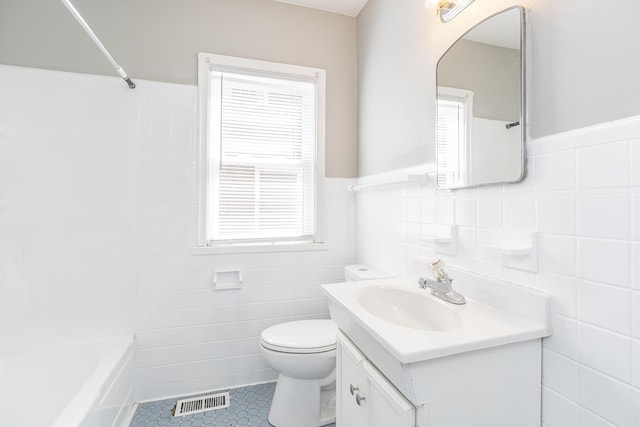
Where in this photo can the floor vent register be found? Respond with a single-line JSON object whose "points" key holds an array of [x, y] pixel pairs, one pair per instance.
{"points": [[195, 405]]}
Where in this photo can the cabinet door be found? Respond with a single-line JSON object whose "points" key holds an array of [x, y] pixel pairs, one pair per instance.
{"points": [[350, 383], [385, 405]]}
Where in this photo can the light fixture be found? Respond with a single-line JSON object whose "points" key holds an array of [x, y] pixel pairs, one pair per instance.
{"points": [[449, 9]]}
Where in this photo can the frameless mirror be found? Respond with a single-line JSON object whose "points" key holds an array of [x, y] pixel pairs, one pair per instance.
{"points": [[480, 104]]}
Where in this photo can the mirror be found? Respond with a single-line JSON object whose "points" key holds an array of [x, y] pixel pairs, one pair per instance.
{"points": [[480, 104]]}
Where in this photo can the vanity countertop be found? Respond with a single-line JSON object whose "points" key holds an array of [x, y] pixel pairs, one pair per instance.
{"points": [[496, 313]]}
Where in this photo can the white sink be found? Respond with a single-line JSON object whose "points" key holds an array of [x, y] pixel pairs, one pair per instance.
{"points": [[409, 309], [412, 325]]}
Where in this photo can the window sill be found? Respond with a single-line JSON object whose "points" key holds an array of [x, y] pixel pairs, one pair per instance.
{"points": [[259, 248]]}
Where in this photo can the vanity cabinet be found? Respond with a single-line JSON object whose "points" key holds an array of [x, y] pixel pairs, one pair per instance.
{"points": [[477, 364], [365, 398]]}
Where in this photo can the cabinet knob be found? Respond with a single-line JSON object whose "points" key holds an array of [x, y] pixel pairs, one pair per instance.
{"points": [[359, 399], [353, 389]]}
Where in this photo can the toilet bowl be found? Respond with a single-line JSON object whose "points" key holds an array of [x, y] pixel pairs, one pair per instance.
{"points": [[303, 353]]}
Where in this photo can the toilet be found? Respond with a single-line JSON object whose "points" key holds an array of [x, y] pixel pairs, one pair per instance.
{"points": [[304, 354]]}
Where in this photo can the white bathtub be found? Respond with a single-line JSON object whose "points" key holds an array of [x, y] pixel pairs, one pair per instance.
{"points": [[79, 385]]}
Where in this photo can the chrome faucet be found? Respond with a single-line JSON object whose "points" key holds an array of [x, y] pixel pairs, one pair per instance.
{"points": [[441, 287]]}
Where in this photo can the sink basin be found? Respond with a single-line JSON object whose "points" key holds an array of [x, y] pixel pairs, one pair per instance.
{"points": [[410, 309], [402, 324]]}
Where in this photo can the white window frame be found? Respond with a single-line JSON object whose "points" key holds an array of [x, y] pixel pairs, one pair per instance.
{"points": [[464, 97], [205, 61]]}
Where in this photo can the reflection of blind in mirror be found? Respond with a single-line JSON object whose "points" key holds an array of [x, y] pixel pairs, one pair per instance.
{"points": [[451, 141]]}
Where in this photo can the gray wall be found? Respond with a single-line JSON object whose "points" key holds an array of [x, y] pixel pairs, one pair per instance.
{"points": [[159, 39], [583, 68], [492, 73]]}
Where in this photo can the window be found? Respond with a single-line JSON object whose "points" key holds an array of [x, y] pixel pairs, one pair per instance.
{"points": [[261, 152], [455, 112]]}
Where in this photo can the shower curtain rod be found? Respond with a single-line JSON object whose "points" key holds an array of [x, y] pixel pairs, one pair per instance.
{"points": [[98, 43]]}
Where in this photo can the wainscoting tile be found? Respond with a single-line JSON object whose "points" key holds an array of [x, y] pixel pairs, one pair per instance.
{"points": [[604, 166], [558, 410], [604, 261], [556, 171], [605, 306], [605, 352], [606, 397], [557, 215], [605, 216]]}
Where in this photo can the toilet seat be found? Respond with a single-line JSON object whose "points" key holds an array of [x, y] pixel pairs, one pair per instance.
{"points": [[301, 337]]}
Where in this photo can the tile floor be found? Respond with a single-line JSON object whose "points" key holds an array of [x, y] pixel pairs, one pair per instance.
{"points": [[249, 407]]}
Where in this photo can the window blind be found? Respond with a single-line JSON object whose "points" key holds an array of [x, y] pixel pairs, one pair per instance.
{"points": [[451, 141], [262, 158]]}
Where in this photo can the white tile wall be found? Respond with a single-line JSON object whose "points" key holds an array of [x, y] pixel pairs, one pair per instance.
{"points": [[635, 356], [583, 199], [635, 265], [465, 212], [560, 374], [635, 313], [557, 215], [556, 171], [563, 292], [191, 338], [606, 397], [604, 166], [68, 182], [489, 213], [589, 419], [557, 254], [519, 212], [558, 411], [445, 212], [605, 216], [606, 352], [606, 261], [605, 306], [636, 404], [635, 159], [635, 215], [564, 340]]}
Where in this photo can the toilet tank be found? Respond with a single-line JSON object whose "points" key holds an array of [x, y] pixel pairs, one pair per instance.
{"points": [[355, 272]]}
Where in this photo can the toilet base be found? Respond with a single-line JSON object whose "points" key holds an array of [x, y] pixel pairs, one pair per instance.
{"points": [[302, 403]]}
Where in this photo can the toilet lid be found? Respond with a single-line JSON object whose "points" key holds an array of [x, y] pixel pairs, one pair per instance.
{"points": [[302, 336]]}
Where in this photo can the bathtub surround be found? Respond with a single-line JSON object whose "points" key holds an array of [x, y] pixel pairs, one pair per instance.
{"points": [[68, 158], [582, 196], [68, 153]]}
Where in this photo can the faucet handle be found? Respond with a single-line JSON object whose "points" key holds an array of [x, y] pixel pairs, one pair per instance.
{"points": [[438, 270]]}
